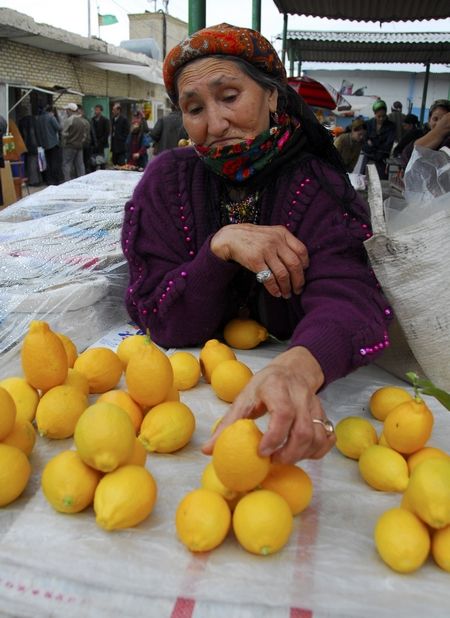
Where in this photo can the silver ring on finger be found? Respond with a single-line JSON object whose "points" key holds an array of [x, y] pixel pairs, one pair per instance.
{"points": [[326, 424], [263, 275]]}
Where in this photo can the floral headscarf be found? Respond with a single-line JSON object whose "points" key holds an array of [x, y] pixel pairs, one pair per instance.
{"points": [[226, 40]]}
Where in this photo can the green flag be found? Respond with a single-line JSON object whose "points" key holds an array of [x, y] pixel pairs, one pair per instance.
{"points": [[107, 20]]}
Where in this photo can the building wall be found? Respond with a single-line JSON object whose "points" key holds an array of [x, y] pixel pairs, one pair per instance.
{"points": [[150, 25], [23, 64], [390, 85]]}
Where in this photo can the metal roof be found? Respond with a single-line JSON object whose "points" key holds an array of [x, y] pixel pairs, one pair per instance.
{"points": [[369, 47], [368, 10], [23, 29]]}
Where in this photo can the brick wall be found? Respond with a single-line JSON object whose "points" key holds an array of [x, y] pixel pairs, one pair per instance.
{"points": [[23, 64], [150, 25]]}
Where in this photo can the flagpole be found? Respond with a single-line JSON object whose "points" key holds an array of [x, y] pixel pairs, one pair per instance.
{"points": [[89, 18]]}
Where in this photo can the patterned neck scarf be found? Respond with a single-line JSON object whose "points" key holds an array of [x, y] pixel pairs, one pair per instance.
{"points": [[238, 162]]}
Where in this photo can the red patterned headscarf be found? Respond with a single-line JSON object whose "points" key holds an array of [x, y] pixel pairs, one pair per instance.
{"points": [[226, 40]]}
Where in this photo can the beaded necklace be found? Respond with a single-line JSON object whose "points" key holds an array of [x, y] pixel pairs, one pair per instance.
{"points": [[246, 210]]}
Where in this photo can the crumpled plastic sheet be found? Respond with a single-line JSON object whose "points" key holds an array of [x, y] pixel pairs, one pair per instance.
{"points": [[55, 564], [61, 260]]}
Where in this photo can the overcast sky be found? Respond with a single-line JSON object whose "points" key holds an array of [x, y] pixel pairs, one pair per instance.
{"points": [[73, 16]]}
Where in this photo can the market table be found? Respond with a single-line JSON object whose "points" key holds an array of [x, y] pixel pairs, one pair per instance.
{"points": [[61, 262], [55, 564]]}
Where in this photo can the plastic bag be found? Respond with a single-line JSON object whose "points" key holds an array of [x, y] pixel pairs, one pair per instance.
{"points": [[42, 161], [411, 265], [427, 175]]}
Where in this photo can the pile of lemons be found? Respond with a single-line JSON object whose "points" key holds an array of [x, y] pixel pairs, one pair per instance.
{"points": [[65, 394], [400, 460], [245, 492]]}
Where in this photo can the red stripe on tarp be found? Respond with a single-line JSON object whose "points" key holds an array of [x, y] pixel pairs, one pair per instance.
{"points": [[183, 608], [297, 612]]}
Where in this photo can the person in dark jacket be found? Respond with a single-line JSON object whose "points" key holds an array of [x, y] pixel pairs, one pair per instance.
{"points": [[168, 131], [137, 144], [48, 132], [100, 130], [379, 139], [120, 128], [411, 132], [227, 227]]}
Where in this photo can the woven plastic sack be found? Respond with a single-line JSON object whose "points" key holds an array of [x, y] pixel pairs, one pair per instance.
{"points": [[412, 266]]}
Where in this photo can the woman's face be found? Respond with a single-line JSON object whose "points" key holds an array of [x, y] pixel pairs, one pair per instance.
{"points": [[436, 115], [221, 105]]}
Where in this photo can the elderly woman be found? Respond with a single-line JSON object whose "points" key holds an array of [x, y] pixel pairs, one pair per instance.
{"points": [[256, 219]]}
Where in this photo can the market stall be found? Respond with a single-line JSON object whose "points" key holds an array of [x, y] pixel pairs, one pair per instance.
{"points": [[55, 564]]}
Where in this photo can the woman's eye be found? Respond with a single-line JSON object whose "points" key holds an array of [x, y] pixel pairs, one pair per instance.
{"points": [[230, 98], [194, 110]]}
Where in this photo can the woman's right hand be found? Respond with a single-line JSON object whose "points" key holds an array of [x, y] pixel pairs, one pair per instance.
{"points": [[261, 247]]}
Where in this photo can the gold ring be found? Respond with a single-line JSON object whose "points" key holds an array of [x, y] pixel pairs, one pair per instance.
{"points": [[326, 424]]}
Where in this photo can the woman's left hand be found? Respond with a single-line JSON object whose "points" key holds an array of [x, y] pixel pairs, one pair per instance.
{"points": [[262, 247], [286, 389]]}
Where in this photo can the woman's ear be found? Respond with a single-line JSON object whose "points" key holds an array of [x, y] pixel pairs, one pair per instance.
{"points": [[273, 100]]}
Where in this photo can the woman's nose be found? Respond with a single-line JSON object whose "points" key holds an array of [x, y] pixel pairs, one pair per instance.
{"points": [[217, 122]]}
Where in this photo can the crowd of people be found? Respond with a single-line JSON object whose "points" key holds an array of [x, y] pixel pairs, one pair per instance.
{"points": [[392, 135], [61, 145]]}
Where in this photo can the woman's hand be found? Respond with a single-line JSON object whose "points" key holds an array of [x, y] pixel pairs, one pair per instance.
{"points": [[286, 389], [261, 247]]}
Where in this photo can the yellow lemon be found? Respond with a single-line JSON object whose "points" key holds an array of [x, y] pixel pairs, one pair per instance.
{"points": [[167, 427], [58, 411], [262, 522], [104, 436], [292, 483], [124, 498], [428, 492], [172, 395], [149, 375], [440, 548], [408, 427], [213, 353], [353, 435], [7, 413], [123, 400], [211, 481], [128, 346], [244, 334], [15, 471], [68, 483], [235, 457], [43, 356], [427, 452], [78, 380], [25, 397], [22, 436], [383, 468], [186, 370], [402, 540], [385, 399], [138, 456], [70, 348], [102, 368], [202, 520], [229, 378], [382, 440]]}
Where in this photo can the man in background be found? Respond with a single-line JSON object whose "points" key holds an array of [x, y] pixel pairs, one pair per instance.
{"points": [[48, 131], [73, 138], [120, 128], [168, 131], [100, 130], [398, 118], [349, 144]]}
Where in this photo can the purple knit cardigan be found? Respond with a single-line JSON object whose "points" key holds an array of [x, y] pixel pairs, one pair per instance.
{"points": [[182, 292]]}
